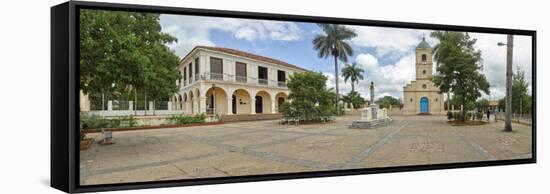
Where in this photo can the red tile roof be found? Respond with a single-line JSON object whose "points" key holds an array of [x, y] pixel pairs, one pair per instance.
{"points": [[247, 55]]}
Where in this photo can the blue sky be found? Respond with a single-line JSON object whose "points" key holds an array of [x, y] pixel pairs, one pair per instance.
{"points": [[386, 54]]}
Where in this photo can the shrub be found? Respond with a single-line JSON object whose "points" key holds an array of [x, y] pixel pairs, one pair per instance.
{"points": [[469, 115], [126, 121], [98, 122], [93, 122], [182, 119], [449, 115], [479, 115], [310, 98], [457, 116]]}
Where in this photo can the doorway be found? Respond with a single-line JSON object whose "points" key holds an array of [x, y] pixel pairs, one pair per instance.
{"points": [[259, 104]]}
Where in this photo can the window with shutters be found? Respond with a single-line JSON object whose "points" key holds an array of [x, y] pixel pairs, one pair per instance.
{"points": [[216, 68]]}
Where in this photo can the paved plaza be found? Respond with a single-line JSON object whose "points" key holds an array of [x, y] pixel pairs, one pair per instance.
{"points": [[265, 147]]}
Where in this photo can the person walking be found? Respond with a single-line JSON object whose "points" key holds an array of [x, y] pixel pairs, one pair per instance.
{"points": [[488, 115]]}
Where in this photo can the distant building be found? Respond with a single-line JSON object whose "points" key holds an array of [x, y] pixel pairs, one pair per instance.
{"points": [[226, 81], [493, 105], [421, 96]]}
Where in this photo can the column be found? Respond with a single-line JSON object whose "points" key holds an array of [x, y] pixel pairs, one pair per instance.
{"points": [[130, 105], [110, 105], [202, 104], [253, 105], [273, 102], [169, 105], [194, 106], [229, 105]]}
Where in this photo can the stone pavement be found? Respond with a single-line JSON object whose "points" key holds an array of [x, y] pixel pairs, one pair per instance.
{"points": [[265, 147]]}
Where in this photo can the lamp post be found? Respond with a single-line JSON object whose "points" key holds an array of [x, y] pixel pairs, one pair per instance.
{"points": [[509, 54]]}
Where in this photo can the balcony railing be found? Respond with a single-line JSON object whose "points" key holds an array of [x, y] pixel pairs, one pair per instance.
{"points": [[241, 79], [216, 76], [196, 76], [262, 81], [232, 78]]}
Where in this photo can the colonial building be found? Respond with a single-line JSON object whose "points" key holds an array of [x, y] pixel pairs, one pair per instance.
{"points": [[226, 81], [421, 96]]}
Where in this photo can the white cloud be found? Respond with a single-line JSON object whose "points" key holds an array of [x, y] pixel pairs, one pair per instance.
{"points": [[344, 88], [193, 30], [388, 79], [392, 42], [368, 62], [494, 60], [389, 42]]}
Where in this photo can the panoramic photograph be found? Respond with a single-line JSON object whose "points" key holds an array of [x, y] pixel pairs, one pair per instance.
{"points": [[179, 97]]}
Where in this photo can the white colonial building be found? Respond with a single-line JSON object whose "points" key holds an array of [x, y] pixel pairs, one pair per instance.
{"points": [[226, 81]]}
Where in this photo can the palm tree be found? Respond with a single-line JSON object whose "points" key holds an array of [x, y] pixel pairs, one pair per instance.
{"points": [[332, 43], [354, 73]]}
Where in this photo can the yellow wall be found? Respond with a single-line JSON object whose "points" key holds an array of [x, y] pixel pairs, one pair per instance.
{"points": [[221, 100], [243, 97], [266, 100]]}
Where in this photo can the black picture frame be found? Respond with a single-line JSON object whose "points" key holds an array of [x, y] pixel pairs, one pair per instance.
{"points": [[65, 93]]}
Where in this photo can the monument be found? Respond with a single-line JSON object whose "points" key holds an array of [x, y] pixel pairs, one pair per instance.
{"points": [[372, 116]]}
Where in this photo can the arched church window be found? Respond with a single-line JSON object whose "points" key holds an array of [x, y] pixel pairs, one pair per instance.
{"points": [[436, 99], [411, 99], [424, 58], [424, 86], [424, 72]]}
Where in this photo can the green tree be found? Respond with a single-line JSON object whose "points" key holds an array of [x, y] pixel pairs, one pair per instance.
{"points": [[121, 51], [482, 104], [459, 66], [519, 92], [386, 101], [502, 104], [332, 43], [354, 98], [162, 75], [353, 73], [309, 98]]}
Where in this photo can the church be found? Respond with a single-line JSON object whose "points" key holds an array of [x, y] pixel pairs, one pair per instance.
{"points": [[421, 96]]}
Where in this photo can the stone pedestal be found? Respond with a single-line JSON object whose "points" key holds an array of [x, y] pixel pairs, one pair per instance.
{"points": [[372, 117]]}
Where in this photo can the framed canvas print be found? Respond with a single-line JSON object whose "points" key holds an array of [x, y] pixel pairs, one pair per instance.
{"points": [[148, 96]]}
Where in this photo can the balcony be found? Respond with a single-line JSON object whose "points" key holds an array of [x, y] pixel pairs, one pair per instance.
{"points": [[263, 82], [233, 79], [241, 79], [216, 76]]}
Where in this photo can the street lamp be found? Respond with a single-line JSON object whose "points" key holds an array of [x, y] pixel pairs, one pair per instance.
{"points": [[509, 54]]}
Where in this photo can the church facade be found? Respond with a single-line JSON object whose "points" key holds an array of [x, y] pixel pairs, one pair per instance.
{"points": [[421, 96]]}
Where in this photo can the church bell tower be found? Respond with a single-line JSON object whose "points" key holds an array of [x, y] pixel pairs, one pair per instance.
{"points": [[424, 63]]}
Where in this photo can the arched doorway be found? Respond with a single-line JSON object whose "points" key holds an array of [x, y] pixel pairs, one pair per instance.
{"points": [[191, 103], [259, 104], [280, 98], [280, 101], [179, 105], [197, 102], [263, 102], [216, 101], [242, 102], [185, 103], [424, 105], [234, 104]]}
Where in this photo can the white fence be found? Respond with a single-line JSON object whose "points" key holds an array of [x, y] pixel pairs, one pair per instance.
{"points": [[126, 108]]}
